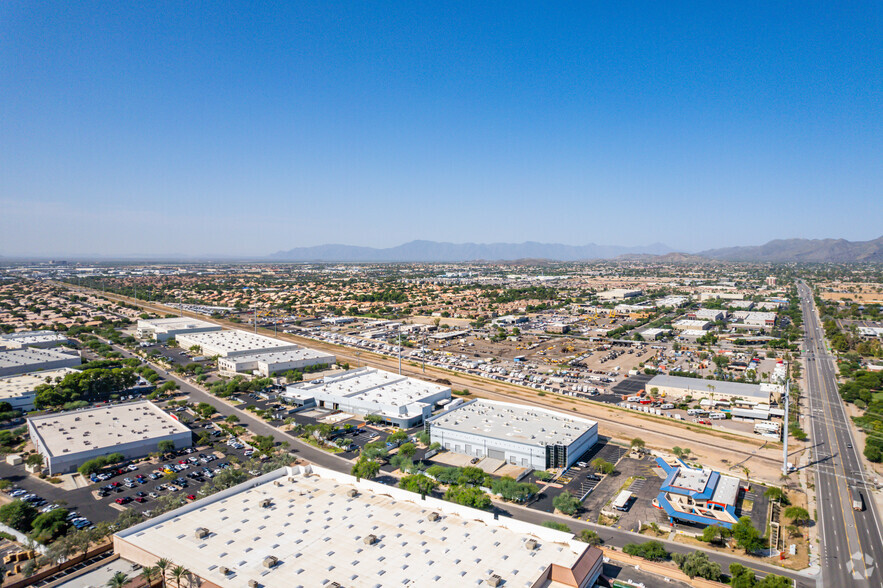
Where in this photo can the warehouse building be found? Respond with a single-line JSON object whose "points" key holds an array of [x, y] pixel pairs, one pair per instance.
{"points": [[310, 526], [232, 343], [691, 325], [67, 440], [524, 436], [618, 294], [22, 361], [402, 401], [21, 390], [681, 387], [707, 314], [697, 495], [274, 362], [37, 339], [168, 328]]}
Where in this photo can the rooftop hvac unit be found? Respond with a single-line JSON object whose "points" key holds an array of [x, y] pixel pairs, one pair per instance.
{"points": [[266, 503], [530, 544], [352, 492], [370, 539], [433, 516], [494, 580], [201, 533], [253, 584], [270, 561]]}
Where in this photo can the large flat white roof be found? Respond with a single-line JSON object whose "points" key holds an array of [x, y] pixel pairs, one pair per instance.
{"points": [[34, 337], [72, 432], [514, 422], [317, 532], [13, 386], [31, 356], [718, 387], [177, 323], [371, 386], [233, 341], [271, 357]]}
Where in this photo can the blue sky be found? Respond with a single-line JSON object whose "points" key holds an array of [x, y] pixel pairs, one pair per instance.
{"points": [[214, 128]]}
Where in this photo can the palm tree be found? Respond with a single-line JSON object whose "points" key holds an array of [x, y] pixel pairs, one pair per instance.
{"points": [[118, 580], [148, 573], [179, 572], [163, 565]]}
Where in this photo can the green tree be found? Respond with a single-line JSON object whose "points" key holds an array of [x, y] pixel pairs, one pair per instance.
{"points": [[567, 503], [775, 493], [407, 450], [34, 460], [419, 484], [741, 577], [398, 436], [49, 525], [747, 536], [365, 468], [18, 514], [148, 573], [375, 450], [507, 488], [179, 572], [798, 514], [163, 565], [424, 437], [232, 419], [468, 496], [590, 537], [715, 534], [638, 443], [651, 550], [472, 476], [166, 446], [118, 580], [558, 526], [603, 466], [697, 564]]}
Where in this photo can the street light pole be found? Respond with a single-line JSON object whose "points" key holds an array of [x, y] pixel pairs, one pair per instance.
{"points": [[785, 432]]}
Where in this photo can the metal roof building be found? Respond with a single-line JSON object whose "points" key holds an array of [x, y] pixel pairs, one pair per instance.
{"points": [[679, 387], [28, 359], [232, 343], [520, 435], [167, 328]]}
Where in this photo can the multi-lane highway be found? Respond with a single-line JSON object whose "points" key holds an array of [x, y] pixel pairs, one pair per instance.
{"points": [[851, 541]]}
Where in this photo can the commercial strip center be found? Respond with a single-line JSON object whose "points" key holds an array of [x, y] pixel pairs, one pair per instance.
{"points": [[66, 440], [519, 435], [309, 526]]}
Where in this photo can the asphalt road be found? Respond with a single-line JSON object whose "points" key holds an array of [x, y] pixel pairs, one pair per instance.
{"points": [[611, 536], [852, 545]]}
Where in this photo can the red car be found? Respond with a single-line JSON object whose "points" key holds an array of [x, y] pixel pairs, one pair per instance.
{"points": [[191, 497], [139, 500], [124, 500]]}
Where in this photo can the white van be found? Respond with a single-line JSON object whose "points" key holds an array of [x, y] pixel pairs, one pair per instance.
{"points": [[667, 406]]}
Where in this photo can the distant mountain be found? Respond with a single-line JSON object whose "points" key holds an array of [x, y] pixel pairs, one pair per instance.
{"points": [[808, 250], [431, 251], [675, 257]]}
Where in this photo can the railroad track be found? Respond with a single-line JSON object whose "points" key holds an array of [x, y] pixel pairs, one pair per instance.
{"points": [[487, 389]]}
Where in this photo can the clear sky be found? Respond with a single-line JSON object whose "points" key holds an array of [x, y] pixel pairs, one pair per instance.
{"points": [[243, 128]]}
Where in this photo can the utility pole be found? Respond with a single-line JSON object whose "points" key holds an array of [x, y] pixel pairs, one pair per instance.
{"points": [[785, 432]]}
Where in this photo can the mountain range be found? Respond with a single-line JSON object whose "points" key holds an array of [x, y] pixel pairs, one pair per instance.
{"points": [[806, 250], [779, 250], [432, 251]]}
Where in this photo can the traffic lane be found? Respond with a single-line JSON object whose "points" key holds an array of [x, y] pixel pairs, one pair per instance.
{"points": [[259, 427]]}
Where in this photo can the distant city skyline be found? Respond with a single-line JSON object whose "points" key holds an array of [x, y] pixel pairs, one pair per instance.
{"points": [[239, 130]]}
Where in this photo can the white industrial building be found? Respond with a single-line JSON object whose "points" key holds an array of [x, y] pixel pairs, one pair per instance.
{"points": [[168, 328], [67, 440], [618, 294], [680, 387], [309, 526], [691, 325], [38, 339], [232, 343], [707, 314], [274, 362], [21, 390], [764, 320], [520, 435], [403, 401], [28, 359], [672, 301]]}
